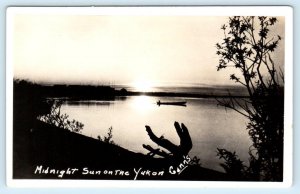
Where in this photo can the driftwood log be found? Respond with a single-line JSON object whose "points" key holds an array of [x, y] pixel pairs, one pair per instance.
{"points": [[174, 150]]}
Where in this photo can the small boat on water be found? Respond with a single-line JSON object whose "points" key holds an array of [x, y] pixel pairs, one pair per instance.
{"points": [[178, 103]]}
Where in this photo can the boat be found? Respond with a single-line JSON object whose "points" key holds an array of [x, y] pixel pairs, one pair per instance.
{"points": [[178, 103]]}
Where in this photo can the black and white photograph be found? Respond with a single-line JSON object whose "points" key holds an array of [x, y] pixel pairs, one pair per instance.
{"points": [[181, 94]]}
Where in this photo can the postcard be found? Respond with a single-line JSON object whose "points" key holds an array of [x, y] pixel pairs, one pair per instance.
{"points": [[149, 96]]}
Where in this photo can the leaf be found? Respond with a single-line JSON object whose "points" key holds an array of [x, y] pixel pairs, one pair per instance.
{"points": [[272, 21], [224, 27]]}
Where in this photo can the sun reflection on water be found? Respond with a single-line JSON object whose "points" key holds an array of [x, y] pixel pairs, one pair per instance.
{"points": [[143, 104]]}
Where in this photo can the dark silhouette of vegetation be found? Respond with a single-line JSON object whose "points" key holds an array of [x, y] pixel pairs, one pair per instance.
{"points": [[55, 117], [196, 161], [28, 103], [248, 46], [233, 165], [108, 138], [81, 91], [72, 91], [28, 95]]}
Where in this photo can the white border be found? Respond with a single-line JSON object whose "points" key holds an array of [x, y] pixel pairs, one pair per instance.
{"points": [[285, 11]]}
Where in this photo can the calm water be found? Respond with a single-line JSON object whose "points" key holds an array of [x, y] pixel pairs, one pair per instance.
{"points": [[210, 126]]}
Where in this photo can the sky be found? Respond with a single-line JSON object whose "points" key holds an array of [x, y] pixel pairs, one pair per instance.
{"points": [[93, 49]]}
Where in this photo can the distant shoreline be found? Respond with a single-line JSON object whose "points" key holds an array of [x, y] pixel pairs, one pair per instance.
{"points": [[90, 92], [187, 95]]}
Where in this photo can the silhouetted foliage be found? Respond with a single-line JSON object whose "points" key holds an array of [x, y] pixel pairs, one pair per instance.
{"points": [[73, 91], [123, 91], [195, 161], [81, 91], [108, 138], [233, 165], [29, 99], [55, 117], [249, 47]]}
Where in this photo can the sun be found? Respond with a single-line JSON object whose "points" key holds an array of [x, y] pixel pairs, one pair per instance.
{"points": [[142, 85]]}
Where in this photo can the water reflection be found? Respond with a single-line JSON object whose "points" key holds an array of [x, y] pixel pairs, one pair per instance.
{"points": [[87, 103], [143, 104], [210, 126]]}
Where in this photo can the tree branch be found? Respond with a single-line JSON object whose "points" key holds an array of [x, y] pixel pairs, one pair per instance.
{"points": [[153, 152]]}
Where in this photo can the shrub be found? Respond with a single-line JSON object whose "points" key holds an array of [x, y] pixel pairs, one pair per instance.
{"points": [[61, 120], [248, 47], [108, 138]]}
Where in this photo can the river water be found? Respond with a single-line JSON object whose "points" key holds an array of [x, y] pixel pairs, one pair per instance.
{"points": [[210, 126]]}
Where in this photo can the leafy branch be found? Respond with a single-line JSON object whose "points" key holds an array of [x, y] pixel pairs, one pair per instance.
{"points": [[61, 120]]}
